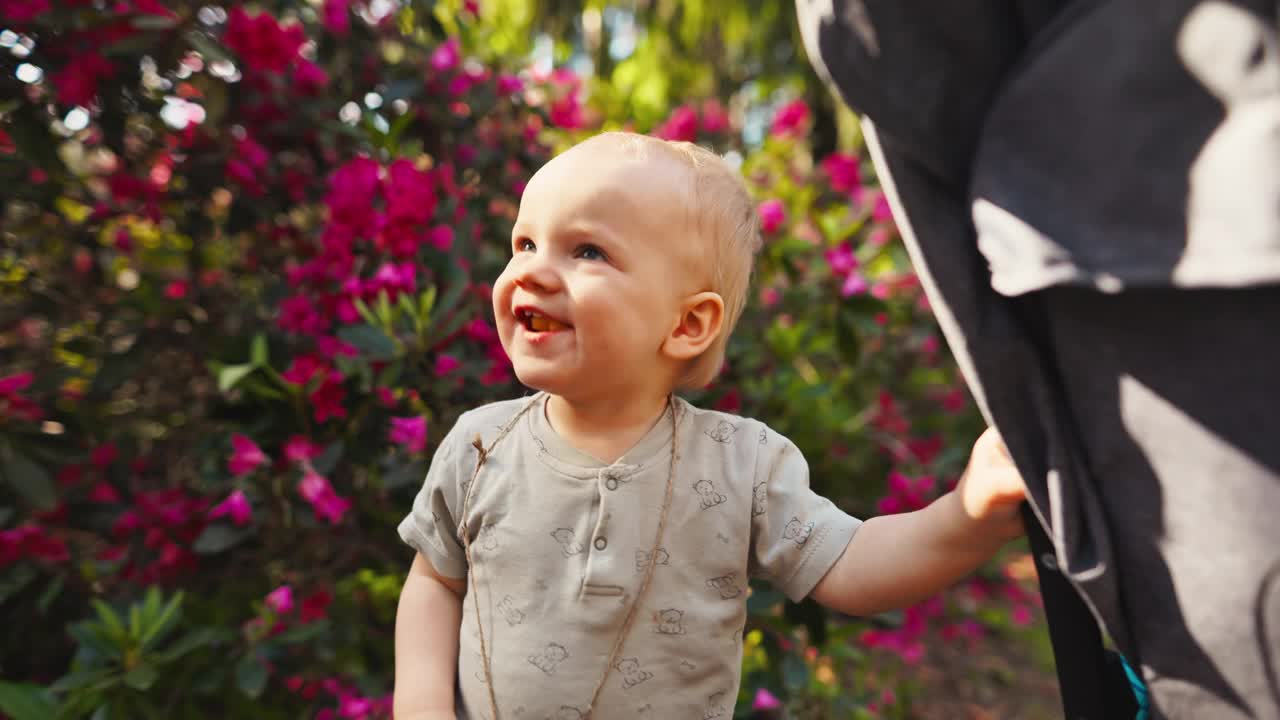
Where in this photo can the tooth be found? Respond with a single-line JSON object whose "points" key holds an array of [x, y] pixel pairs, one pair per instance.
{"points": [[538, 323]]}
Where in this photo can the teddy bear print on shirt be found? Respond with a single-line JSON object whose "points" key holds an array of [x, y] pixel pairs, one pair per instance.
{"points": [[568, 713], [488, 537], [707, 495], [670, 622], [797, 531], [564, 536], [759, 494], [508, 610], [715, 706], [722, 432], [550, 658], [642, 559], [727, 585], [632, 675]]}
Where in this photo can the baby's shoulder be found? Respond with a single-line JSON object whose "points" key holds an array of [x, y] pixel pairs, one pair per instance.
{"points": [[489, 419], [730, 430]]}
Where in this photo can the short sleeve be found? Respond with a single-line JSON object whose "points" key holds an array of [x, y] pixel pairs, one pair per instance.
{"points": [[431, 527], [796, 534]]}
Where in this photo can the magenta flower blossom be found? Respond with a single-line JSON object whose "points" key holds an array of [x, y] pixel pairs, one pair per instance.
{"points": [[261, 42], [12, 404], [299, 449], [20, 11], [841, 259], [104, 455], [353, 189], [302, 369], [765, 700], [791, 119], [772, 215], [280, 600], [326, 503], [77, 82], [236, 506], [854, 284], [447, 56], [509, 84], [336, 17], [246, 456], [681, 125], [881, 212], [411, 432], [715, 119], [843, 171], [326, 401], [446, 364], [410, 193], [309, 78]]}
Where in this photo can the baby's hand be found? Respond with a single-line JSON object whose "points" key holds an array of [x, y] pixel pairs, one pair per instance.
{"points": [[991, 489]]}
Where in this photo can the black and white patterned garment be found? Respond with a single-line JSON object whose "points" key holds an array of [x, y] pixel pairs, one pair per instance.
{"points": [[562, 542], [1090, 191]]}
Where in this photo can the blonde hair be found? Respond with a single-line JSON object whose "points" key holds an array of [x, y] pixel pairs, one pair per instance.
{"points": [[723, 215]]}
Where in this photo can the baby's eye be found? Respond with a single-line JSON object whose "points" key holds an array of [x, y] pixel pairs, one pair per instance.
{"points": [[525, 245], [591, 252]]}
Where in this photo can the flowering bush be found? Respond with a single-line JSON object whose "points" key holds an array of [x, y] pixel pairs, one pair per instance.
{"points": [[244, 291]]}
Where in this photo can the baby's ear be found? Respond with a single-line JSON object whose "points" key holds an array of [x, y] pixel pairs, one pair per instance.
{"points": [[700, 322]]}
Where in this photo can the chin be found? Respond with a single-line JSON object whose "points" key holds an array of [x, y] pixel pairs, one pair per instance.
{"points": [[544, 378]]}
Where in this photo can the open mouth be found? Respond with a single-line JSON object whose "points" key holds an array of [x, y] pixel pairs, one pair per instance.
{"points": [[535, 321]]}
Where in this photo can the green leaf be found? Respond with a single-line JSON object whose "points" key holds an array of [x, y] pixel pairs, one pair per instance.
{"points": [[258, 353], [110, 620], [220, 537], [25, 702], [92, 637], [153, 22], [302, 633], [194, 640], [51, 592], [369, 340], [328, 460], [211, 50], [795, 674], [81, 679], [231, 375], [163, 623], [29, 129], [31, 481], [14, 579], [763, 600], [251, 676], [141, 677], [406, 474]]}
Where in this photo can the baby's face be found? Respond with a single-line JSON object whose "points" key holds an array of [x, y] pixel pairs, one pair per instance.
{"points": [[600, 264]]}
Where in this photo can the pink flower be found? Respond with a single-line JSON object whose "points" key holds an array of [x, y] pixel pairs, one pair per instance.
{"points": [[77, 81], [509, 84], [326, 503], [441, 237], [352, 192], [315, 606], [236, 506], [772, 215], [298, 314], [20, 11], [410, 432], [566, 112], [280, 600], [765, 700], [395, 278], [354, 707], [791, 119], [302, 369], [337, 19], [447, 56], [881, 212], [841, 259], [12, 404], [446, 364], [104, 492], [410, 193], [1020, 615], [326, 401], [854, 284], [714, 117], [177, 289], [681, 125], [843, 171], [246, 456], [309, 78], [104, 455], [261, 42], [299, 449]]}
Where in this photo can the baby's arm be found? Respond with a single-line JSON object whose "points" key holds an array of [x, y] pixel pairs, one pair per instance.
{"points": [[896, 560], [427, 623]]}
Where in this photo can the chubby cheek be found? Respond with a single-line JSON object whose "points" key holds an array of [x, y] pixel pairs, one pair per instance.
{"points": [[503, 320]]}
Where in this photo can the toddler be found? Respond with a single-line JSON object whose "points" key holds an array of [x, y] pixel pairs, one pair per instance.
{"points": [[585, 552]]}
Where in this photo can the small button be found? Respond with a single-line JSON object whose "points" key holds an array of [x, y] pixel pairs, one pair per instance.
{"points": [[601, 543], [611, 482]]}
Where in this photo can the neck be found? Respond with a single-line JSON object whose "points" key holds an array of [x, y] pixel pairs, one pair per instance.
{"points": [[606, 427]]}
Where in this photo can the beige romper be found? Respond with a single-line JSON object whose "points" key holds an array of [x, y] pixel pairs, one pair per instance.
{"points": [[560, 542]]}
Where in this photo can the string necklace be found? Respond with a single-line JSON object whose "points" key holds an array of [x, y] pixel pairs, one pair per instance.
{"points": [[482, 455]]}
